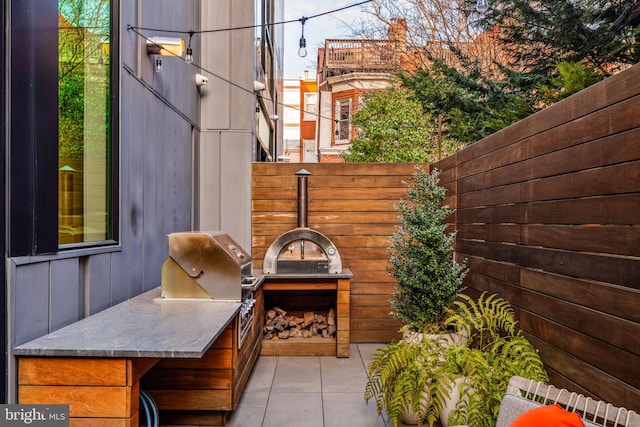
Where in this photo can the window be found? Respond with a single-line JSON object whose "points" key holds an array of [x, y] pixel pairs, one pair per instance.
{"points": [[343, 119], [310, 111], [84, 121]]}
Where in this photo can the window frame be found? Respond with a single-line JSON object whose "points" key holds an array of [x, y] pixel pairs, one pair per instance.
{"points": [[33, 166], [339, 138], [308, 114]]}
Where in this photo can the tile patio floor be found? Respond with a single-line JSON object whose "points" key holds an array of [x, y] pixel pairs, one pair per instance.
{"points": [[309, 391]]}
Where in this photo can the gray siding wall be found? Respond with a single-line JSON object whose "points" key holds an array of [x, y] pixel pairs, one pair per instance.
{"points": [[227, 119], [161, 151]]}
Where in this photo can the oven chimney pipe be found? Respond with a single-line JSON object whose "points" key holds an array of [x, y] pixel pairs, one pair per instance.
{"points": [[302, 175]]}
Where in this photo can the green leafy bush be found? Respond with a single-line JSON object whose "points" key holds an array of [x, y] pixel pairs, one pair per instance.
{"points": [[421, 254]]}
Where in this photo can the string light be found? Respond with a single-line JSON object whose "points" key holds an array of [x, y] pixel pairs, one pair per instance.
{"points": [[236, 85], [302, 50], [482, 6], [188, 58]]}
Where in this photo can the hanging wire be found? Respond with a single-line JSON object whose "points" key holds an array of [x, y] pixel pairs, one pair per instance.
{"points": [[236, 85], [189, 52], [245, 27]]}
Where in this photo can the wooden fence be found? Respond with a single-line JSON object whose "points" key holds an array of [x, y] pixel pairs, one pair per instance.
{"points": [[353, 205], [548, 217]]}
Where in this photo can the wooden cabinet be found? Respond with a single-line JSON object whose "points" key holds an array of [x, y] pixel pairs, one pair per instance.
{"points": [[297, 292], [102, 384], [99, 392], [205, 391]]}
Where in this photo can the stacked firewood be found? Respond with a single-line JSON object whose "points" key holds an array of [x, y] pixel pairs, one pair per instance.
{"points": [[282, 325]]}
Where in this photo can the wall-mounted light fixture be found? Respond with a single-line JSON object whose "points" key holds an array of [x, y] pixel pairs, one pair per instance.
{"points": [[201, 80], [258, 86], [164, 46]]}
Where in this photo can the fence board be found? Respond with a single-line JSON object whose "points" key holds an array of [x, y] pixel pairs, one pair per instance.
{"points": [[610, 150], [615, 240], [615, 300], [625, 366]]}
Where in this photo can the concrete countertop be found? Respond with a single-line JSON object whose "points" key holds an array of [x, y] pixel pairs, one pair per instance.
{"points": [[143, 326]]}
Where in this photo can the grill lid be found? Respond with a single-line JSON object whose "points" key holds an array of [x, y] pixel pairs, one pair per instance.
{"points": [[203, 265]]}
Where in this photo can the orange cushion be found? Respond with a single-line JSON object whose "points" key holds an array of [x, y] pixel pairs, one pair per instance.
{"points": [[548, 416]]}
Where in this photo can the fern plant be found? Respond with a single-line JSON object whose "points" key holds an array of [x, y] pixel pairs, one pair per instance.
{"points": [[495, 351], [420, 374], [408, 375], [483, 321]]}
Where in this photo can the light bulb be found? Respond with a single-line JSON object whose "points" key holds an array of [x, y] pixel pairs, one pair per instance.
{"points": [[482, 6], [302, 51], [188, 58], [158, 64]]}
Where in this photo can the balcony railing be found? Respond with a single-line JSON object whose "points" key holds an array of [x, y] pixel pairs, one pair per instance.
{"points": [[344, 56]]}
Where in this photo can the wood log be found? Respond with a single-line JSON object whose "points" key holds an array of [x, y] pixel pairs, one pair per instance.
{"points": [[331, 317], [331, 330], [283, 326], [308, 318], [284, 334]]}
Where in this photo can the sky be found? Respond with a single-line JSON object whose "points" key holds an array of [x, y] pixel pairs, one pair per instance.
{"points": [[316, 30]]}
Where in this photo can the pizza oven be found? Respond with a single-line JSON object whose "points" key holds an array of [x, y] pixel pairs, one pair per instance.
{"points": [[302, 250], [306, 291]]}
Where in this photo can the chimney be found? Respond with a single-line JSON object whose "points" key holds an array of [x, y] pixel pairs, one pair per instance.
{"points": [[397, 33], [302, 175]]}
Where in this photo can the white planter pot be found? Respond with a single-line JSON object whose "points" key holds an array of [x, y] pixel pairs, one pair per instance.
{"points": [[450, 338], [451, 402], [410, 418], [453, 338]]}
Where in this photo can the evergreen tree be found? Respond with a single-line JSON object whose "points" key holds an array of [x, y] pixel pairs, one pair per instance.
{"points": [[471, 105], [541, 34]]}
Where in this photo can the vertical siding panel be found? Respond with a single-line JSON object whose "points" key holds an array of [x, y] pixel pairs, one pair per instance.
{"points": [[175, 186], [31, 295], [157, 139], [132, 208], [99, 282], [130, 99], [119, 274], [67, 293]]}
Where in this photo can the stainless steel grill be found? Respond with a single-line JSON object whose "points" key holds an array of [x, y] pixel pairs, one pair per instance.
{"points": [[210, 266]]}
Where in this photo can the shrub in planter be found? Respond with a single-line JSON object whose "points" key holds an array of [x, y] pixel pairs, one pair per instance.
{"points": [[421, 255]]}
